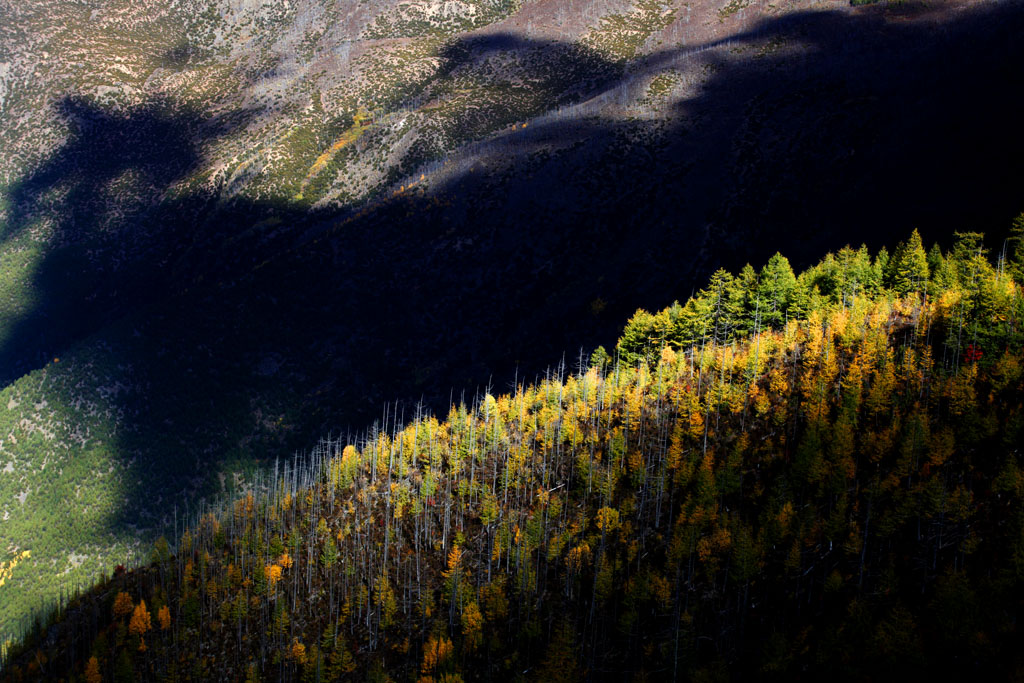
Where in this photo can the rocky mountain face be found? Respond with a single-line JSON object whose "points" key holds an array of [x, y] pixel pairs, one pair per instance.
{"points": [[230, 228]]}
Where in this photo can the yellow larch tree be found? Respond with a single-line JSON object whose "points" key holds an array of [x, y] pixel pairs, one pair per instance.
{"points": [[472, 625], [164, 617], [123, 605], [92, 671], [140, 623], [298, 652]]}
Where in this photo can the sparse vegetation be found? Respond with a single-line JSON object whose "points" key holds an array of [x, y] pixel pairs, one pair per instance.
{"points": [[420, 18], [619, 37], [733, 7]]}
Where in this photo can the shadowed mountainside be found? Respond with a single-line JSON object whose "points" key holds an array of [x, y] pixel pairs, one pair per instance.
{"points": [[209, 332]]}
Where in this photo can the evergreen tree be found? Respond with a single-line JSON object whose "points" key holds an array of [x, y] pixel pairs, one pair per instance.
{"points": [[881, 264], [801, 299], [636, 338], [869, 278], [775, 290], [907, 270], [940, 275], [1015, 250], [692, 326], [725, 301], [968, 259], [749, 309], [329, 554], [600, 359]]}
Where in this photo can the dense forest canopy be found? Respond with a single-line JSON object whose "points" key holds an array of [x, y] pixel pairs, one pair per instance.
{"points": [[787, 475]]}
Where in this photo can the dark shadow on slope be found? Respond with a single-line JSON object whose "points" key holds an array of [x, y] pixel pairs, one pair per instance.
{"points": [[97, 204], [883, 124], [245, 329]]}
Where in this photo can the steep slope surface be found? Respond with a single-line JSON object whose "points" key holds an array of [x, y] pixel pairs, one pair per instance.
{"points": [[230, 229], [834, 496]]}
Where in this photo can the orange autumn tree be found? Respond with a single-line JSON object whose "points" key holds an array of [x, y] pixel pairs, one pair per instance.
{"points": [[472, 625], [92, 671], [164, 617], [123, 605], [272, 572], [140, 624], [436, 654], [298, 652]]}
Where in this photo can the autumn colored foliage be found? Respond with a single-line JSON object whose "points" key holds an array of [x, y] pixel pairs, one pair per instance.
{"points": [[123, 605], [141, 622], [796, 476]]}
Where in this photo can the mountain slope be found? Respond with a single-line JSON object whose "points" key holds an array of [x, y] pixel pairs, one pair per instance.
{"points": [[229, 232], [839, 496]]}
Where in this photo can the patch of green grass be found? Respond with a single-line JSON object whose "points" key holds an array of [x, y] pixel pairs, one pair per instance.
{"points": [[619, 37], [732, 8], [659, 88]]}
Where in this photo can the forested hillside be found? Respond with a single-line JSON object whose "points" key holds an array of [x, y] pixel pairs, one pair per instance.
{"points": [[229, 228], [790, 475]]}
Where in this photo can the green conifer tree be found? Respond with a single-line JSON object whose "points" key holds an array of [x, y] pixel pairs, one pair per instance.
{"points": [[636, 337], [907, 270], [746, 293], [775, 290], [1015, 250], [801, 298]]}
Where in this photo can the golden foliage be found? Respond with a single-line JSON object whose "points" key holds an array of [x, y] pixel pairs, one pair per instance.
{"points": [[607, 519], [436, 653], [454, 560], [92, 671], [123, 605], [244, 508], [297, 652], [164, 617], [141, 621], [234, 575], [472, 626], [494, 600], [384, 597], [661, 590], [7, 569], [272, 572], [846, 388], [578, 558], [718, 542], [209, 524], [785, 516]]}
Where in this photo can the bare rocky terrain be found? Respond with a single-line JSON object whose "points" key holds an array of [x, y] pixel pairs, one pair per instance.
{"points": [[230, 228]]}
